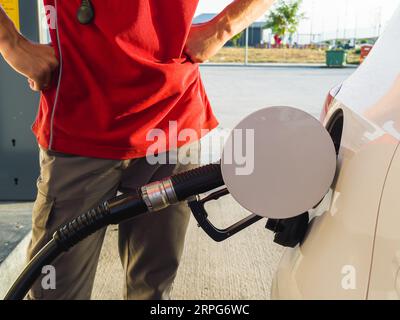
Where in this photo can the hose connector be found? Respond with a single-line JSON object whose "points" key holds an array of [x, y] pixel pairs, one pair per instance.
{"points": [[159, 195]]}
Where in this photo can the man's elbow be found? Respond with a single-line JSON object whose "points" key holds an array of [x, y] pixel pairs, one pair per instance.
{"points": [[9, 36], [4, 41]]}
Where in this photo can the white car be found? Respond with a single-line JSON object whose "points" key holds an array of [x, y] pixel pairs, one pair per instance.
{"points": [[352, 247]]}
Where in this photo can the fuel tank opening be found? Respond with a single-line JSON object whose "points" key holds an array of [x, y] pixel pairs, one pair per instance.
{"points": [[335, 129]]}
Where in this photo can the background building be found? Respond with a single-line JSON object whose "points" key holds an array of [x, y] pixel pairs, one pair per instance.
{"points": [[257, 33]]}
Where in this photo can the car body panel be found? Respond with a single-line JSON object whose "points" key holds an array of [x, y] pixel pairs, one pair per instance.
{"points": [[343, 236], [385, 272], [352, 249]]}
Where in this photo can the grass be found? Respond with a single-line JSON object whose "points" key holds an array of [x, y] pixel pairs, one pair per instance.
{"points": [[277, 56]]}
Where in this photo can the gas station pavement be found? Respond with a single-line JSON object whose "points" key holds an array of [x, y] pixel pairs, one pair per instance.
{"points": [[15, 223], [241, 267]]}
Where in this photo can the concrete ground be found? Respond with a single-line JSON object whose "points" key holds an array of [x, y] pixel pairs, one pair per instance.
{"points": [[15, 223], [236, 91], [240, 268]]}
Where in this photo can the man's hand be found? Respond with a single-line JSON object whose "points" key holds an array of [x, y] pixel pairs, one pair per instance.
{"points": [[206, 39], [37, 62]]}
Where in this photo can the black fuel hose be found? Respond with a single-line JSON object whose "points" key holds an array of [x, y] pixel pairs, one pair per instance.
{"points": [[33, 270], [114, 211], [200, 180]]}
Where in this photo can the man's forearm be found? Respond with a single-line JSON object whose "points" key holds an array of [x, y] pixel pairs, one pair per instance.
{"points": [[239, 15], [9, 35], [206, 39]]}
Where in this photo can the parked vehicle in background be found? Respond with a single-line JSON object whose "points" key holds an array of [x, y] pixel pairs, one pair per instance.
{"points": [[365, 50]]}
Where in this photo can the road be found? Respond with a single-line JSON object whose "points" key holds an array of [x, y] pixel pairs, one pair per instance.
{"points": [[236, 91], [242, 267]]}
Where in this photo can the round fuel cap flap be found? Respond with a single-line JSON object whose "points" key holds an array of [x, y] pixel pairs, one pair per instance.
{"points": [[279, 162]]}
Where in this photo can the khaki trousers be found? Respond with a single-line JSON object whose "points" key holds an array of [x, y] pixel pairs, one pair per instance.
{"points": [[150, 246]]}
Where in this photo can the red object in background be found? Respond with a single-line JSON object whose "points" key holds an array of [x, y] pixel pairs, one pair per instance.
{"points": [[278, 40], [365, 50]]}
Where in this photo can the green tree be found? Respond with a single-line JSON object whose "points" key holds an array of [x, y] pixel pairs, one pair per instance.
{"points": [[235, 39], [285, 17]]}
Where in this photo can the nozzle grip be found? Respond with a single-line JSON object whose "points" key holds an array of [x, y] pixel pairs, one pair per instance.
{"points": [[218, 235]]}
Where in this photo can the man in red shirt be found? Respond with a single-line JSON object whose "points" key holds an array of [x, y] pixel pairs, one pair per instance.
{"points": [[115, 72]]}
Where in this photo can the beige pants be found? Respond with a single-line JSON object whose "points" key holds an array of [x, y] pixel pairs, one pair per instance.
{"points": [[150, 246]]}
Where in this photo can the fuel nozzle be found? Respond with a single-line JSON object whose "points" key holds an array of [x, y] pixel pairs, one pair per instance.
{"points": [[289, 232]]}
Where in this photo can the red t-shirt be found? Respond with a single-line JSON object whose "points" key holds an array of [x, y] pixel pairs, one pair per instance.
{"points": [[119, 77]]}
